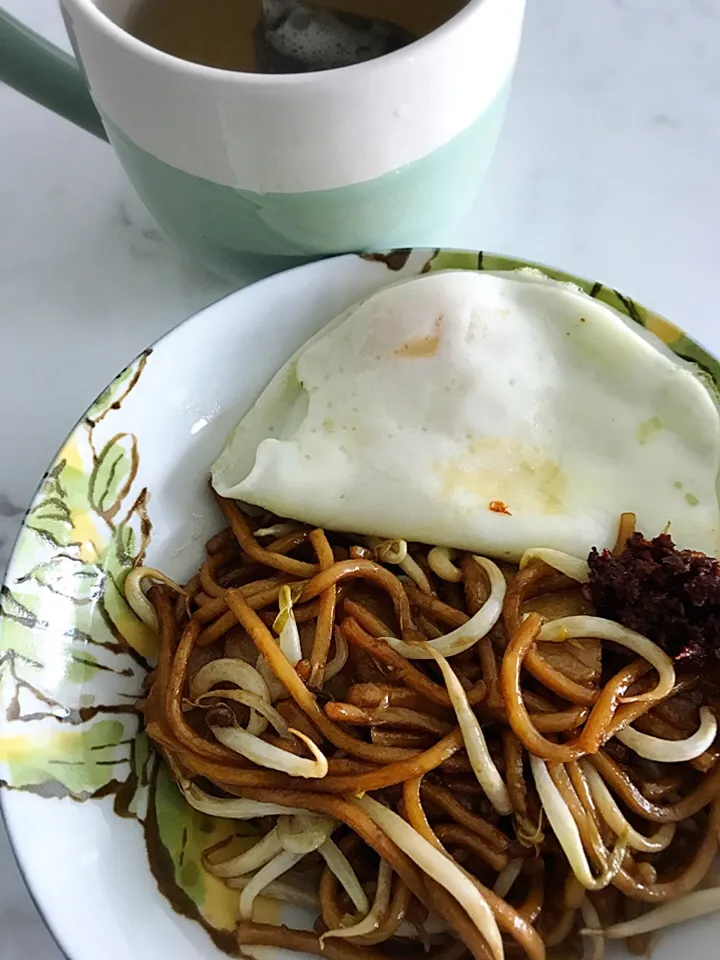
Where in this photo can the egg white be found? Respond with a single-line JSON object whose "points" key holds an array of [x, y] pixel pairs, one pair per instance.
{"points": [[439, 401]]}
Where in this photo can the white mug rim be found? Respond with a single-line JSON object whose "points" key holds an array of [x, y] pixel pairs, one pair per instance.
{"points": [[100, 20]]}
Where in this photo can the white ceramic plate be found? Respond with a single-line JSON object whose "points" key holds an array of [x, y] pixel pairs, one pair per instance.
{"points": [[110, 851]]}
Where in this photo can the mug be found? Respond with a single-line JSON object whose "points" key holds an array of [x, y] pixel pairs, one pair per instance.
{"points": [[387, 153]]}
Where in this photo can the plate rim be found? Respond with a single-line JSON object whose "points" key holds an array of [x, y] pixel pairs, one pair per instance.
{"points": [[319, 265]]}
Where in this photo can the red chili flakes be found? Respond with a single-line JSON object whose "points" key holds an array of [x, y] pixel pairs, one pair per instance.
{"points": [[671, 596], [497, 506]]}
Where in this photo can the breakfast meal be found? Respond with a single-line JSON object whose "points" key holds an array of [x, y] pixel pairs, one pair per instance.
{"points": [[453, 663]]}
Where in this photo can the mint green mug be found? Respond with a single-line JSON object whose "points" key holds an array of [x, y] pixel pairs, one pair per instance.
{"points": [[387, 153]]}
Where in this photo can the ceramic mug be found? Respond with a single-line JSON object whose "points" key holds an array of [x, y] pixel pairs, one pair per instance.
{"points": [[387, 153]]}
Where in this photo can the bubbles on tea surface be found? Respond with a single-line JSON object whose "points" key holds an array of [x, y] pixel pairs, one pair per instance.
{"points": [[294, 36]]}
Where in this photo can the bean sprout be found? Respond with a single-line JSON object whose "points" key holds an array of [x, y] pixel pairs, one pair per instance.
{"points": [[672, 751], [476, 746], [440, 561], [696, 904], [371, 922], [572, 567], [135, 595], [268, 755], [341, 867], [466, 636], [567, 833], [440, 867], [569, 628], [286, 627], [615, 819]]}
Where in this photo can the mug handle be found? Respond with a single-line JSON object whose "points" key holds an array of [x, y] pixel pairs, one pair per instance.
{"points": [[46, 74]]}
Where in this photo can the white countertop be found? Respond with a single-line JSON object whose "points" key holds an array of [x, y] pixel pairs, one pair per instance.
{"points": [[609, 166]]}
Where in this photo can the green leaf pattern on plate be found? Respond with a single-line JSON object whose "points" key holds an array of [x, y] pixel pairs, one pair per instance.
{"points": [[69, 577], [89, 525], [113, 474]]}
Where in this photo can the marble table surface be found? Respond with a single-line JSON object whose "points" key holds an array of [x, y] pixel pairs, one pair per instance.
{"points": [[608, 166]]}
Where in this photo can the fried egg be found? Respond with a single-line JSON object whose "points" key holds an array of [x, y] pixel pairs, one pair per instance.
{"points": [[488, 412]]}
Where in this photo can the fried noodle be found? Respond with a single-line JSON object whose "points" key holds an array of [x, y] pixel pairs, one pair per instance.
{"points": [[445, 746]]}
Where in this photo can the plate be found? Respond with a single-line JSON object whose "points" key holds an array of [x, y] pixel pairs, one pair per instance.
{"points": [[109, 849]]}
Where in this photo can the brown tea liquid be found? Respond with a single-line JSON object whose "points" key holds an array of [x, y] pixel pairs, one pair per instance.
{"points": [[221, 33]]}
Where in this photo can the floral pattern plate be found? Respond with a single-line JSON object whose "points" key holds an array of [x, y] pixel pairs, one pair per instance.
{"points": [[110, 850]]}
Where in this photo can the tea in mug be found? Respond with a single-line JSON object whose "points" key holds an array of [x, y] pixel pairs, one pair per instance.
{"points": [[285, 36]]}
